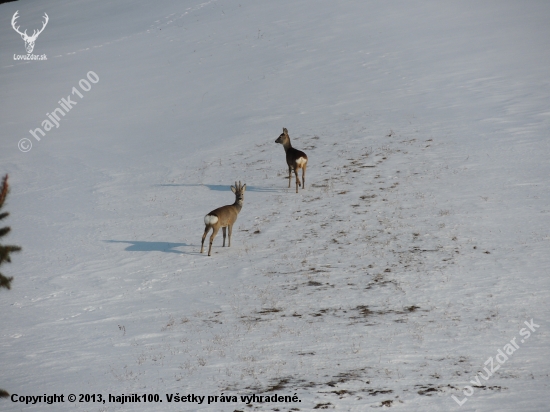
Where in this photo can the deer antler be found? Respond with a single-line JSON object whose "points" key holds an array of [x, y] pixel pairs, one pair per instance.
{"points": [[15, 17], [35, 33], [24, 35]]}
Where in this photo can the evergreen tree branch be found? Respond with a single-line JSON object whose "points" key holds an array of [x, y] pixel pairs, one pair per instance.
{"points": [[4, 231], [5, 250], [4, 190], [5, 282]]}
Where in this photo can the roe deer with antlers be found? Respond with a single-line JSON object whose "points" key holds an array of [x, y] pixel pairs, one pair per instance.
{"points": [[295, 159], [224, 217]]}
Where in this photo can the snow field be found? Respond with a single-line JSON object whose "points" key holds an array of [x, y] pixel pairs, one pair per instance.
{"points": [[418, 248]]}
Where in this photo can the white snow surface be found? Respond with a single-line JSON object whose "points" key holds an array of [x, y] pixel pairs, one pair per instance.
{"points": [[418, 248]]}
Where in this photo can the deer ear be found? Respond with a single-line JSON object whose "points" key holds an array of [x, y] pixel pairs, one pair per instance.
{"points": [[285, 131], [244, 187], [233, 189]]}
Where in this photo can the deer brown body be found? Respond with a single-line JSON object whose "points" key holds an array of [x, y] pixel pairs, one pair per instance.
{"points": [[223, 217], [295, 159]]}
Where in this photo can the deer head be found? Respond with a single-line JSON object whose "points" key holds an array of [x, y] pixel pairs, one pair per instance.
{"points": [[29, 40]]}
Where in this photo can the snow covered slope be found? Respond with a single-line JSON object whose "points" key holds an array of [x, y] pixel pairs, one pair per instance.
{"points": [[417, 250]]}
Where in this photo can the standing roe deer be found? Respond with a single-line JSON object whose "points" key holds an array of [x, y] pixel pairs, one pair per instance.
{"points": [[295, 159], [223, 217]]}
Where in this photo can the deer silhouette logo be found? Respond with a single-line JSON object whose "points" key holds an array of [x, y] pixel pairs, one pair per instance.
{"points": [[29, 40]]}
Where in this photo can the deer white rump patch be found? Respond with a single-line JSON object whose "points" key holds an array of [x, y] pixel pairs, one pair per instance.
{"points": [[301, 161], [210, 220]]}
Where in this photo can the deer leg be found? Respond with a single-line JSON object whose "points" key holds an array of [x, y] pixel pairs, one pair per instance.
{"points": [[289, 175], [230, 229], [206, 229], [223, 231], [297, 180], [214, 233], [304, 177]]}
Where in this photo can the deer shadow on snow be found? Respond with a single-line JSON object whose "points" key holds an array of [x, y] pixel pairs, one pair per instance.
{"points": [[143, 246], [226, 188], [169, 247]]}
